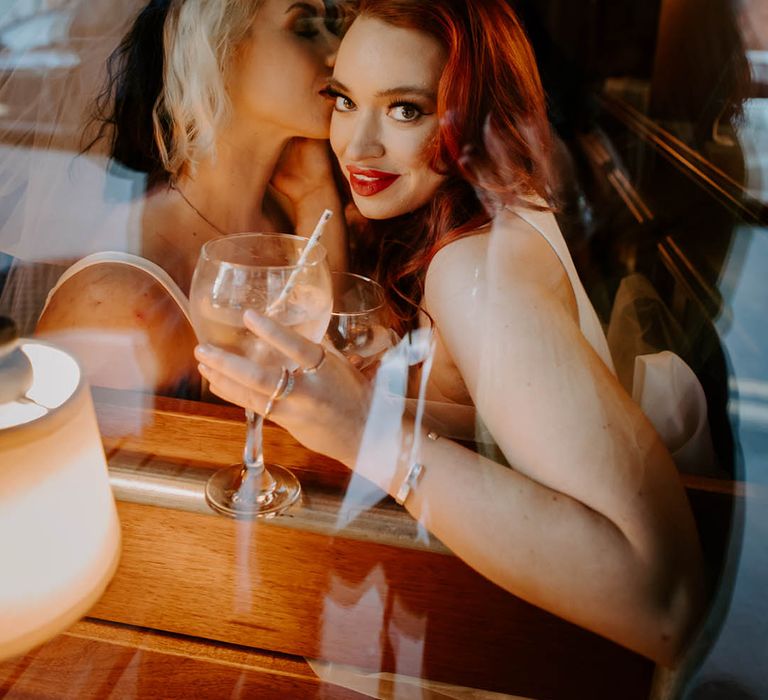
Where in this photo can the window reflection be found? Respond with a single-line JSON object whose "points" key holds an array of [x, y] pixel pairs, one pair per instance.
{"points": [[659, 112]]}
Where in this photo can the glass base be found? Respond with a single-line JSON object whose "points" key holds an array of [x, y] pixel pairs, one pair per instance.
{"points": [[256, 497]]}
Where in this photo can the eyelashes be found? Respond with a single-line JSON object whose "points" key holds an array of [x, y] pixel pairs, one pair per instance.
{"points": [[338, 97], [402, 111], [306, 27], [309, 21]]}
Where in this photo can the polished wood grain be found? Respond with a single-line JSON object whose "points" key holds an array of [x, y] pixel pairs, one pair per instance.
{"points": [[373, 606], [329, 595], [207, 434], [99, 660], [203, 606]]}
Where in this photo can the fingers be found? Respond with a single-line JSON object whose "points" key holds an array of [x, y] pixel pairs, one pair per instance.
{"points": [[250, 384], [356, 361], [303, 352], [233, 391], [251, 375]]}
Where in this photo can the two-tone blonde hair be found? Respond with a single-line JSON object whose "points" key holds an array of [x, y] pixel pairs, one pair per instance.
{"points": [[165, 98], [200, 38]]}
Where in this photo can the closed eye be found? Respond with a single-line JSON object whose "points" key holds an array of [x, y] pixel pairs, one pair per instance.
{"points": [[305, 19], [307, 27]]}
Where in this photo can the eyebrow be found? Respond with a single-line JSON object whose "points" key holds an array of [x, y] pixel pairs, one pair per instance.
{"points": [[390, 92], [306, 6]]}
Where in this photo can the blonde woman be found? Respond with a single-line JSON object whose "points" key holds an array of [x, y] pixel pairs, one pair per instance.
{"points": [[218, 104]]}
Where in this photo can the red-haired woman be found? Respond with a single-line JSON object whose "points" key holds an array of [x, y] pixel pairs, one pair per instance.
{"points": [[440, 127]]}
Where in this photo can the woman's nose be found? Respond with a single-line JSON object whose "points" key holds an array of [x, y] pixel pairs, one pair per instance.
{"points": [[365, 141], [332, 48]]}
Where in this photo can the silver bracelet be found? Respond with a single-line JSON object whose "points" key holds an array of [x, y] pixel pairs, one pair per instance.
{"points": [[413, 476]]}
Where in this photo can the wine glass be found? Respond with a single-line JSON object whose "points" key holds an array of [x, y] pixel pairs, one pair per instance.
{"points": [[360, 321], [250, 271]]}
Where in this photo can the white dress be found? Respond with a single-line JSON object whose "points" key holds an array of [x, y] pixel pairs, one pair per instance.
{"points": [[663, 385]]}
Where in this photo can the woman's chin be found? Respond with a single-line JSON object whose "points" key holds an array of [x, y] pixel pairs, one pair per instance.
{"points": [[318, 131], [392, 202], [378, 216], [377, 211], [319, 124]]}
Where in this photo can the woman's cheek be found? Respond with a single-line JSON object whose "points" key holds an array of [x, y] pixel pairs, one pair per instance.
{"points": [[338, 134]]}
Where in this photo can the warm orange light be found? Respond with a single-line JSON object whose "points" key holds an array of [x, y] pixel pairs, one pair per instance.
{"points": [[59, 533]]}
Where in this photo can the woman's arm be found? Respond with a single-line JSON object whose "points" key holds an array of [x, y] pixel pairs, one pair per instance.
{"points": [[592, 522]]}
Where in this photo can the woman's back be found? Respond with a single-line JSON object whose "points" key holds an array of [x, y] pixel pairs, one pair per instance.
{"points": [[469, 258], [664, 386], [127, 322]]}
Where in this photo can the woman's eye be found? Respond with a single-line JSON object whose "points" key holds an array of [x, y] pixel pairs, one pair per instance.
{"points": [[343, 104], [307, 27], [405, 113]]}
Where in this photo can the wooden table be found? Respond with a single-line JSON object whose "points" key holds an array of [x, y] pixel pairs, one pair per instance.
{"points": [[205, 606]]}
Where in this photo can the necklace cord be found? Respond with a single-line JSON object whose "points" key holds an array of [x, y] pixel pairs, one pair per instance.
{"points": [[176, 188]]}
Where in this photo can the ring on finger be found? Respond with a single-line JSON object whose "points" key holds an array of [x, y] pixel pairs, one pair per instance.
{"points": [[283, 387], [314, 368]]}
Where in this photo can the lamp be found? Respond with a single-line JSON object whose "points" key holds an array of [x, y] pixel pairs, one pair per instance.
{"points": [[59, 532]]}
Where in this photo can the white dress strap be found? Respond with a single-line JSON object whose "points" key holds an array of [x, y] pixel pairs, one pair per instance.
{"points": [[135, 261], [544, 222], [664, 387]]}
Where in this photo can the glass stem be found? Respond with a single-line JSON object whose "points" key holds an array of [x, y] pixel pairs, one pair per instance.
{"points": [[253, 454]]}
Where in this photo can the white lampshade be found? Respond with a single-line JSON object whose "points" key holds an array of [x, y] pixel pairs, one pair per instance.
{"points": [[59, 532]]}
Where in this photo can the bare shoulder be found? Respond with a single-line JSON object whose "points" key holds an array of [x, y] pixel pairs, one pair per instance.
{"points": [[124, 327], [107, 293], [453, 268], [508, 260]]}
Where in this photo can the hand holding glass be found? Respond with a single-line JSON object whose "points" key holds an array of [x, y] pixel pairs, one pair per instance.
{"points": [[249, 271]]}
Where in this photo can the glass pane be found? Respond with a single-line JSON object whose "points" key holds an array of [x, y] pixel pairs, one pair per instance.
{"points": [[522, 385]]}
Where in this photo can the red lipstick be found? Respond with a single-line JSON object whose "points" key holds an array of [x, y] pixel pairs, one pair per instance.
{"points": [[367, 182]]}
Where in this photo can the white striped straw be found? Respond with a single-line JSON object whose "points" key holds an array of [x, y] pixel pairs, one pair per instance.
{"points": [[311, 243]]}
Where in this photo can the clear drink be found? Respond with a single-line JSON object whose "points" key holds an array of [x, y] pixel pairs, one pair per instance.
{"points": [[250, 271], [360, 323], [307, 310]]}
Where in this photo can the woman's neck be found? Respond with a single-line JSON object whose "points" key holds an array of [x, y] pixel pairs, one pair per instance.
{"points": [[229, 189]]}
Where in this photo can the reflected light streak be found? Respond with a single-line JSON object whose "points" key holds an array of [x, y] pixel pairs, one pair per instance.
{"points": [[140, 484]]}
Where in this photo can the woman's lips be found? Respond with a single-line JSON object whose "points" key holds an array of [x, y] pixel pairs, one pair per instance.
{"points": [[367, 182]]}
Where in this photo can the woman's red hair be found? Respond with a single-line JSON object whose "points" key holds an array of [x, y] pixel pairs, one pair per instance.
{"points": [[493, 141]]}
